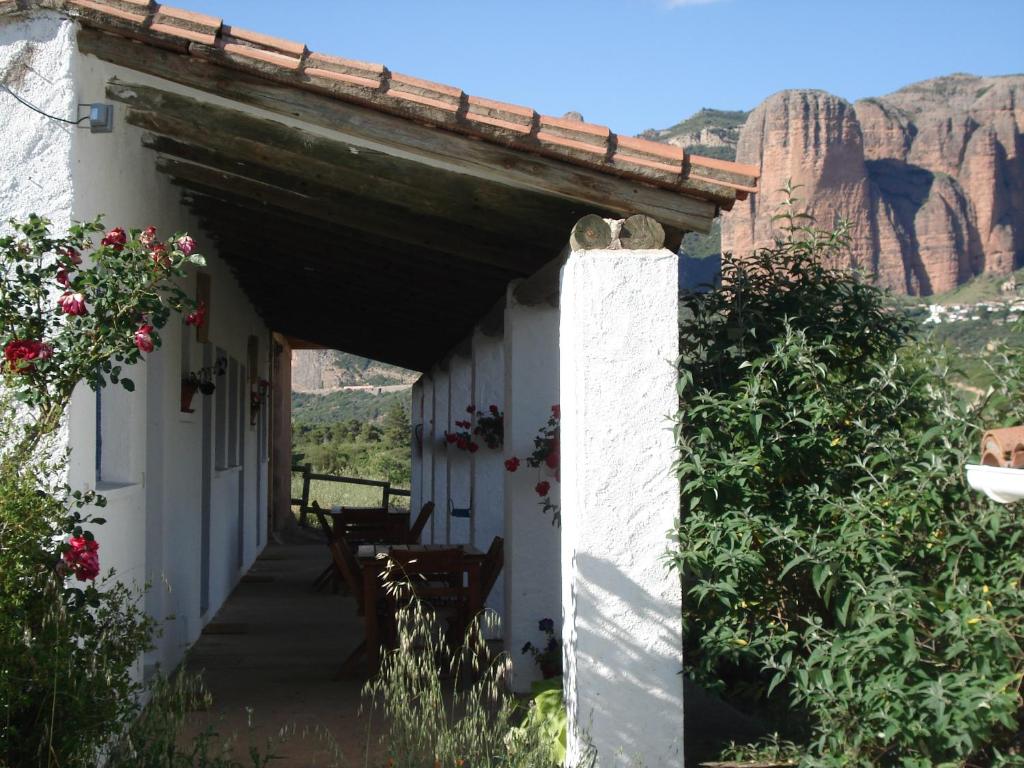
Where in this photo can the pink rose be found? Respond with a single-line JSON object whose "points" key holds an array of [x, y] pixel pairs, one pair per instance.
{"points": [[159, 256], [82, 559], [115, 238], [186, 245], [144, 338], [148, 236], [22, 354], [73, 303]]}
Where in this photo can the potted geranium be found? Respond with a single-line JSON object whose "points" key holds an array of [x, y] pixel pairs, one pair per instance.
{"points": [[546, 458], [201, 381]]}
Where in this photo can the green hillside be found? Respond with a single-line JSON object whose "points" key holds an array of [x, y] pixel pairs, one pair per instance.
{"points": [[345, 406]]}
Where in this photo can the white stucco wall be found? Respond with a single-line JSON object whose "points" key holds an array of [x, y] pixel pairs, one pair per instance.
{"points": [[437, 529], [532, 563], [152, 452], [622, 629], [416, 498]]}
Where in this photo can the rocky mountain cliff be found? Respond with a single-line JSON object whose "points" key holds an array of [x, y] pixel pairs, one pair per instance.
{"points": [[931, 177], [709, 132], [324, 371]]}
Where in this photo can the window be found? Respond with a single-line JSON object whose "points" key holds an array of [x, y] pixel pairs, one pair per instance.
{"points": [[116, 435]]}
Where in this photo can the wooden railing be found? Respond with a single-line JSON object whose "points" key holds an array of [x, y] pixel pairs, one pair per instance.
{"points": [[308, 476]]}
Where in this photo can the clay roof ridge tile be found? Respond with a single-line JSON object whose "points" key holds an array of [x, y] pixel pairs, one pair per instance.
{"points": [[240, 36], [130, 11], [177, 22]]}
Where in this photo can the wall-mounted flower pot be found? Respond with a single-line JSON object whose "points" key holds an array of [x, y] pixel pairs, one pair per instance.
{"points": [[188, 391], [1002, 484]]}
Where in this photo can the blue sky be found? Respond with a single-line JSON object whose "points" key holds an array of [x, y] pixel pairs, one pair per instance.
{"points": [[635, 64]]}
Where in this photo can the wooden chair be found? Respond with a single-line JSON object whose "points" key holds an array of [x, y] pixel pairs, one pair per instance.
{"points": [[347, 567], [416, 531], [329, 572], [436, 577], [494, 561], [365, 526]]}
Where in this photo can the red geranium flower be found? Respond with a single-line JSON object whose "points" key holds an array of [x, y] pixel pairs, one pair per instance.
{"points": [[470, 408], [473, 447], [512, 464], [115, 238], [451, 437], [494, 409], [22, 354], [542, 488], [552, 460], [73, 304], [197, 316], [82, 559], [144, 338]]}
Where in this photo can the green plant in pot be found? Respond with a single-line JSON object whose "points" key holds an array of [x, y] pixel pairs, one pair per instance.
{"points": [[548, 657], [201, 381]]}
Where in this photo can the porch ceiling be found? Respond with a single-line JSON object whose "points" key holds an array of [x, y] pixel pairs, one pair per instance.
{"points": [[359, 229]]}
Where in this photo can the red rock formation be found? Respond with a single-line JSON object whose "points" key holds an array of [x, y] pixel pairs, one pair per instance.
{"points": [[931, 177]]}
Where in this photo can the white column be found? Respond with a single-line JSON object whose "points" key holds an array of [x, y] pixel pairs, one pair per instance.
{"points": [[622, 631], [460, 387], [488, 464], [416, 495], [532, 566], [429, 450], [437, 530]]}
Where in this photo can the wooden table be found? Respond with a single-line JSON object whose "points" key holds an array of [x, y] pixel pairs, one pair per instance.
{"points": [[372, 560]]}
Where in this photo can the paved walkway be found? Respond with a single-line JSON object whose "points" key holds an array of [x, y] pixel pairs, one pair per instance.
{"points": [[269, 658]]}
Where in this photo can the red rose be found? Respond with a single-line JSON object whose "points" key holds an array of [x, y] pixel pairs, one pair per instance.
{"points": [[186, 245], [473, 447], [115, 238], [512, 464], [73, 256], [72, 304], [144, 338], [552, 460], [197, 316], [148, 236], [63, 277], [22, 354], [82, 559], [542, 488]]}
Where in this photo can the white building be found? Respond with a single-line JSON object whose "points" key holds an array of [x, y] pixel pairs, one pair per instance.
{"points": [[343, 205]]}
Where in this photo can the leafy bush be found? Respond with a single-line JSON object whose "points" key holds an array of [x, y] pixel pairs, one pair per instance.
{"points": [[834, 563]]}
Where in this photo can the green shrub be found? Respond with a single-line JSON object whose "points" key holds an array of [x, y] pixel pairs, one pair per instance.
{"points": [[835, 565]]}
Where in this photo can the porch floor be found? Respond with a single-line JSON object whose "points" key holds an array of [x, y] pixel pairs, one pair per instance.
{"points": [[269, 658]]}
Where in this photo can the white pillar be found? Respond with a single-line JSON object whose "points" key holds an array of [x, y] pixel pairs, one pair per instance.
{"points": [[437, 530], [416, 495], [460, 388], [429, 447], [532, 566], [488, 464], [622, 630]]}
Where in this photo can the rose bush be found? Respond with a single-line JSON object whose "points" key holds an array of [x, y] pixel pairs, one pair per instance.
{"points": [[70, 639]]}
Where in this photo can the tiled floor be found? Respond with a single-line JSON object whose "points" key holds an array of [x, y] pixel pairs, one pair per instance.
{"points": [[270, 656]]}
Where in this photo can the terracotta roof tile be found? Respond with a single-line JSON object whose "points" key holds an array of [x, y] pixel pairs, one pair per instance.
{"points": [[195, 27], [347, 72], [444, 106]]}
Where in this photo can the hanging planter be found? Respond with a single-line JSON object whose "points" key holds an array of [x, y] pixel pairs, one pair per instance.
{"points": [[201, 381], [188, 391]]}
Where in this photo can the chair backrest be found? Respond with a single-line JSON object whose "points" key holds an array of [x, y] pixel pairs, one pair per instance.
{"points": [[433, 572], [348, 567], [493, 563], [325, 524], [360, 524], [421, 522]]}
